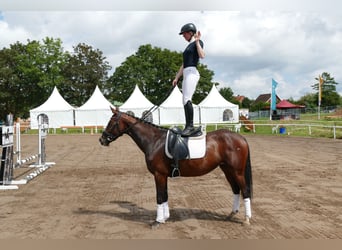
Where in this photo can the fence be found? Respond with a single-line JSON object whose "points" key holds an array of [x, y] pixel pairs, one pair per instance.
{"points": [[290, 112], [288, 128]]}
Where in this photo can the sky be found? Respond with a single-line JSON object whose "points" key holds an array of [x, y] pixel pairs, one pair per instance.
{"points": [[245, 46]]}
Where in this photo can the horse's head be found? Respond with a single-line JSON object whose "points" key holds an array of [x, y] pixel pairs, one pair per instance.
{"points": [[113, 130]]}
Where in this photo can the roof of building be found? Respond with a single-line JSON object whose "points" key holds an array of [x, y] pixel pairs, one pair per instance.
{"points": [[265, 98]]}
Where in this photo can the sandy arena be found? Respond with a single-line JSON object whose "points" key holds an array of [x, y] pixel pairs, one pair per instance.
{"points": [[96, 192]]}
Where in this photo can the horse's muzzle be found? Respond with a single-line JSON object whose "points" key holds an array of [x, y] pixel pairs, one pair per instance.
{"points": [[103, 141]]}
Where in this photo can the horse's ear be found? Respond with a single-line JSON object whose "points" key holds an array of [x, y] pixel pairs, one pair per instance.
{"points": [[113, 109]]}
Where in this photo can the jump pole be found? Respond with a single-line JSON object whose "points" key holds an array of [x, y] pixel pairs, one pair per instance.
{"points": [[41, 166], [7, 165], [20, 161]]}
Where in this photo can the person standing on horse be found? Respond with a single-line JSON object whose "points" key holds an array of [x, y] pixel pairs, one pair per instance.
{"points": [[191, 55]]}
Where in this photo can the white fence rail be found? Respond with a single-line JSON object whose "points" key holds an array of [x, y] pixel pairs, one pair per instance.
{"points": [[288, 128]]}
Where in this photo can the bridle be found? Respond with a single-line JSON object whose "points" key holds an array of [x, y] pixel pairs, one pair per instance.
{"points": [[109, 135]]}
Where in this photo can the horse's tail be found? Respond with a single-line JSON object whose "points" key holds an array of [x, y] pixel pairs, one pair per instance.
{"points": [[248, 175]]}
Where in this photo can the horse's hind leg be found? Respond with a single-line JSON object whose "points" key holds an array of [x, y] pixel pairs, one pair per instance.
{"points": [[246, 197], [236, 192], [237, 183]]}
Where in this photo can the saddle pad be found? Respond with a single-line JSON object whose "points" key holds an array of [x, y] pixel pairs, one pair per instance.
{"points": [[196, 145]]}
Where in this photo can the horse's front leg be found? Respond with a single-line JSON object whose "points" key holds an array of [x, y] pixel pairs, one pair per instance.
{"points": [[163, 212]]}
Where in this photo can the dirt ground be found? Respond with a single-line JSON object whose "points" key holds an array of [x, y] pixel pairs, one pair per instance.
{"points": [[96, 192]]}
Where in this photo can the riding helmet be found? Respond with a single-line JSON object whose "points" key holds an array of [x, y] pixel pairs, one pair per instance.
{"points": [[188, 27]]}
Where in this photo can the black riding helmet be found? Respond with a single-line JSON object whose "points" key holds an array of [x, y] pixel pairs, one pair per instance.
{"points": [[188, 27]]}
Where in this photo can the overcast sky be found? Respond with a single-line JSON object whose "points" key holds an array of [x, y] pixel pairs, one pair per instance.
{"points": [[245, 48]]}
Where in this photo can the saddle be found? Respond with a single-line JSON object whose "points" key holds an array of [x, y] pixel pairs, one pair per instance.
{"points": [[178, 147]]}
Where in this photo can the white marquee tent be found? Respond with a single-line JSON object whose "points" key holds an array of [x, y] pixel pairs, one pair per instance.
{"points": [[171, 111], [59, 111], [95, 111], [138, 104], [214, 108]]}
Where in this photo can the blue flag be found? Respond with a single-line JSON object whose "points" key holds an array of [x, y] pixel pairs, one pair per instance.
{"points": [[273, 95]]}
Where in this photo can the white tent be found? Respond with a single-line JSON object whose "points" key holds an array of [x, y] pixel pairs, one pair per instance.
{"points": [[59, 111], [214, 108], [171, 111], [138, 104], [95, 112]]}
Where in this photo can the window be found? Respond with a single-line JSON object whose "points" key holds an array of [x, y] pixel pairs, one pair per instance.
{"points": [[227, 115]]}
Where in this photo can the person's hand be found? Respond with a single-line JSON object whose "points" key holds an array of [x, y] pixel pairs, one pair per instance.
{"points": [[197, 35], [174, 82]]}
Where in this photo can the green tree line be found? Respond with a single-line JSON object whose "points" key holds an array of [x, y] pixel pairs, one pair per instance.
{"points": [[29, 72]]}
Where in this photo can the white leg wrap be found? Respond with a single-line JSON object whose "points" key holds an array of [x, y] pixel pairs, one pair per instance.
{"points": [[166, 210], [163, 212], [160, 213], [236, 203], [248, 210]]}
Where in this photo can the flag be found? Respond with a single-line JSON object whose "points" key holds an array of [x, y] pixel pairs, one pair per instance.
{"points": [[273, 95]]}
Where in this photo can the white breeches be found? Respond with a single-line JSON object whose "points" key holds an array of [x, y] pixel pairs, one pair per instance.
{"points": [[190, 80]]}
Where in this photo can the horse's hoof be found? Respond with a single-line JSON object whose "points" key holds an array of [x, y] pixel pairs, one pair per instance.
{"points": [[231, 216], [155, 224], [246, 222]]}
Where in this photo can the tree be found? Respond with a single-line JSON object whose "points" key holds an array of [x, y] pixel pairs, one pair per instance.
{"points": [[246, 102], [20, 80], [84, 69], [153, 70], [330, 97], [309, 100], [28, 74], [52, 63], [256, 106], [8, 81], [227, 93]]}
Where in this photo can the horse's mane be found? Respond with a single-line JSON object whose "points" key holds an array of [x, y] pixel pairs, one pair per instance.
{"points": [[146, 122]]}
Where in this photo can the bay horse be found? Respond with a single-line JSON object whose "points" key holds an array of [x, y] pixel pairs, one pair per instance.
{"points": [[224, 149]]}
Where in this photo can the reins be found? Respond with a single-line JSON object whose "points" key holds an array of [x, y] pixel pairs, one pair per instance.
{"points": [[155, 106], [110, 137]]}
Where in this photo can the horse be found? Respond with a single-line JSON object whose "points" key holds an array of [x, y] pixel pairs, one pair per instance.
{"points": [[225, 149], [249, 126]]}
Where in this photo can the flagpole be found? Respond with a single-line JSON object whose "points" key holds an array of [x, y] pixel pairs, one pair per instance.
{"points": [[320, 82], [271, 103], [319, 102]]}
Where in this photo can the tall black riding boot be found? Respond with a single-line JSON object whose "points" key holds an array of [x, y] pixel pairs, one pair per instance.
{"points": [[189, 119]]}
